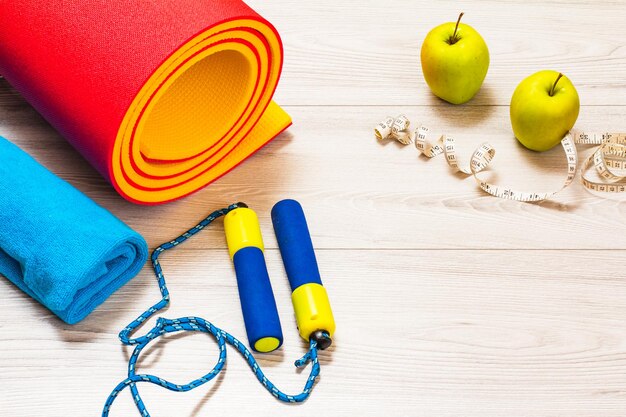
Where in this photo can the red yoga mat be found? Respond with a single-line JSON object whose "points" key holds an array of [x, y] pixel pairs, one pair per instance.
{"points": [[162, 97]]}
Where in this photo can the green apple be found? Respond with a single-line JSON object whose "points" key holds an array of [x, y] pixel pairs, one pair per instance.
{"points": [[455, 60], [544, 107]]}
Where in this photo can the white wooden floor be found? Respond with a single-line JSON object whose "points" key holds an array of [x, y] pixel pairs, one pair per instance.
{"points": [[448, 302]]}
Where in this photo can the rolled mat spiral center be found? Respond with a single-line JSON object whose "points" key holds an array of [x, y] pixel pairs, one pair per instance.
{"points": [[161, 97]]}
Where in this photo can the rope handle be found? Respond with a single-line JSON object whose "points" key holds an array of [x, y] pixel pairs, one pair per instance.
{"points": [[195, 324]]}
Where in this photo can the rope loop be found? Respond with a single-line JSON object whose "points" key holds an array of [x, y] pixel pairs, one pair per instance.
{"points": [[194, 324]]}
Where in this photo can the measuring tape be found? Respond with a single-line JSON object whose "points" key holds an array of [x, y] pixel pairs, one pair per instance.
{"points": [[609, 159]]}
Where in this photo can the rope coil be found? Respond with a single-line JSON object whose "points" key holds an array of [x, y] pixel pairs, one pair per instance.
{"points": [[195, 324]]}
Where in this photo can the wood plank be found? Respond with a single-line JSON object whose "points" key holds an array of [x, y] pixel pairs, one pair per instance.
{"points": [[474, 333], [448, 302], [363, 194], [368, 53]]}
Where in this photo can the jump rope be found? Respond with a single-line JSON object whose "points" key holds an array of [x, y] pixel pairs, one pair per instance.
{"points": [[245, 244]]}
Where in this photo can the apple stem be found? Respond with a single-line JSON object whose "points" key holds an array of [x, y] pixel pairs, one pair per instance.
{"points": [[554, 85], [454, 38]]}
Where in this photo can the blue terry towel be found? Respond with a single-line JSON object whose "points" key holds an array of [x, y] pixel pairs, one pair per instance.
{"points": [[56, 244]]}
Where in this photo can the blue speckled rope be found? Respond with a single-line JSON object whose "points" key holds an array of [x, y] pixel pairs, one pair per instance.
{"points": [[196, 324]]}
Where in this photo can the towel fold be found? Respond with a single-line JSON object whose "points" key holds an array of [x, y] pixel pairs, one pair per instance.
{"points": [[56, 244]]}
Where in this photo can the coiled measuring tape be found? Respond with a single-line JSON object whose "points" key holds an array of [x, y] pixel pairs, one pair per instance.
{"points": [[609, 159]]}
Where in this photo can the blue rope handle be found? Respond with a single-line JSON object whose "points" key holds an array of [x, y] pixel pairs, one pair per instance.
{"points": [[194, 324]]}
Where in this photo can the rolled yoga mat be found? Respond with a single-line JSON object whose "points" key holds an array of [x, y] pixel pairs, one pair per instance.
{"points": [[162, 97], [56, 244]]}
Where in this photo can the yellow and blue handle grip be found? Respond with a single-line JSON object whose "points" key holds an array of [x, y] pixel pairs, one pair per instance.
{"points": [[309, 297], [245, 245]]}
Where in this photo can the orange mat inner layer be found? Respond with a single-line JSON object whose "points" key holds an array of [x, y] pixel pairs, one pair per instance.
{"points": [[162, 101]]}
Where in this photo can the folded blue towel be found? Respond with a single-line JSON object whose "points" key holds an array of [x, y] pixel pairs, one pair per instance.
{"points": [[56, 244]]}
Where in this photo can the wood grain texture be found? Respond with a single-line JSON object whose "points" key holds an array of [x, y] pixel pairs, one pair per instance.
{"points": [[367, 53], [461, 332], [363, 194], [448, 302]]}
